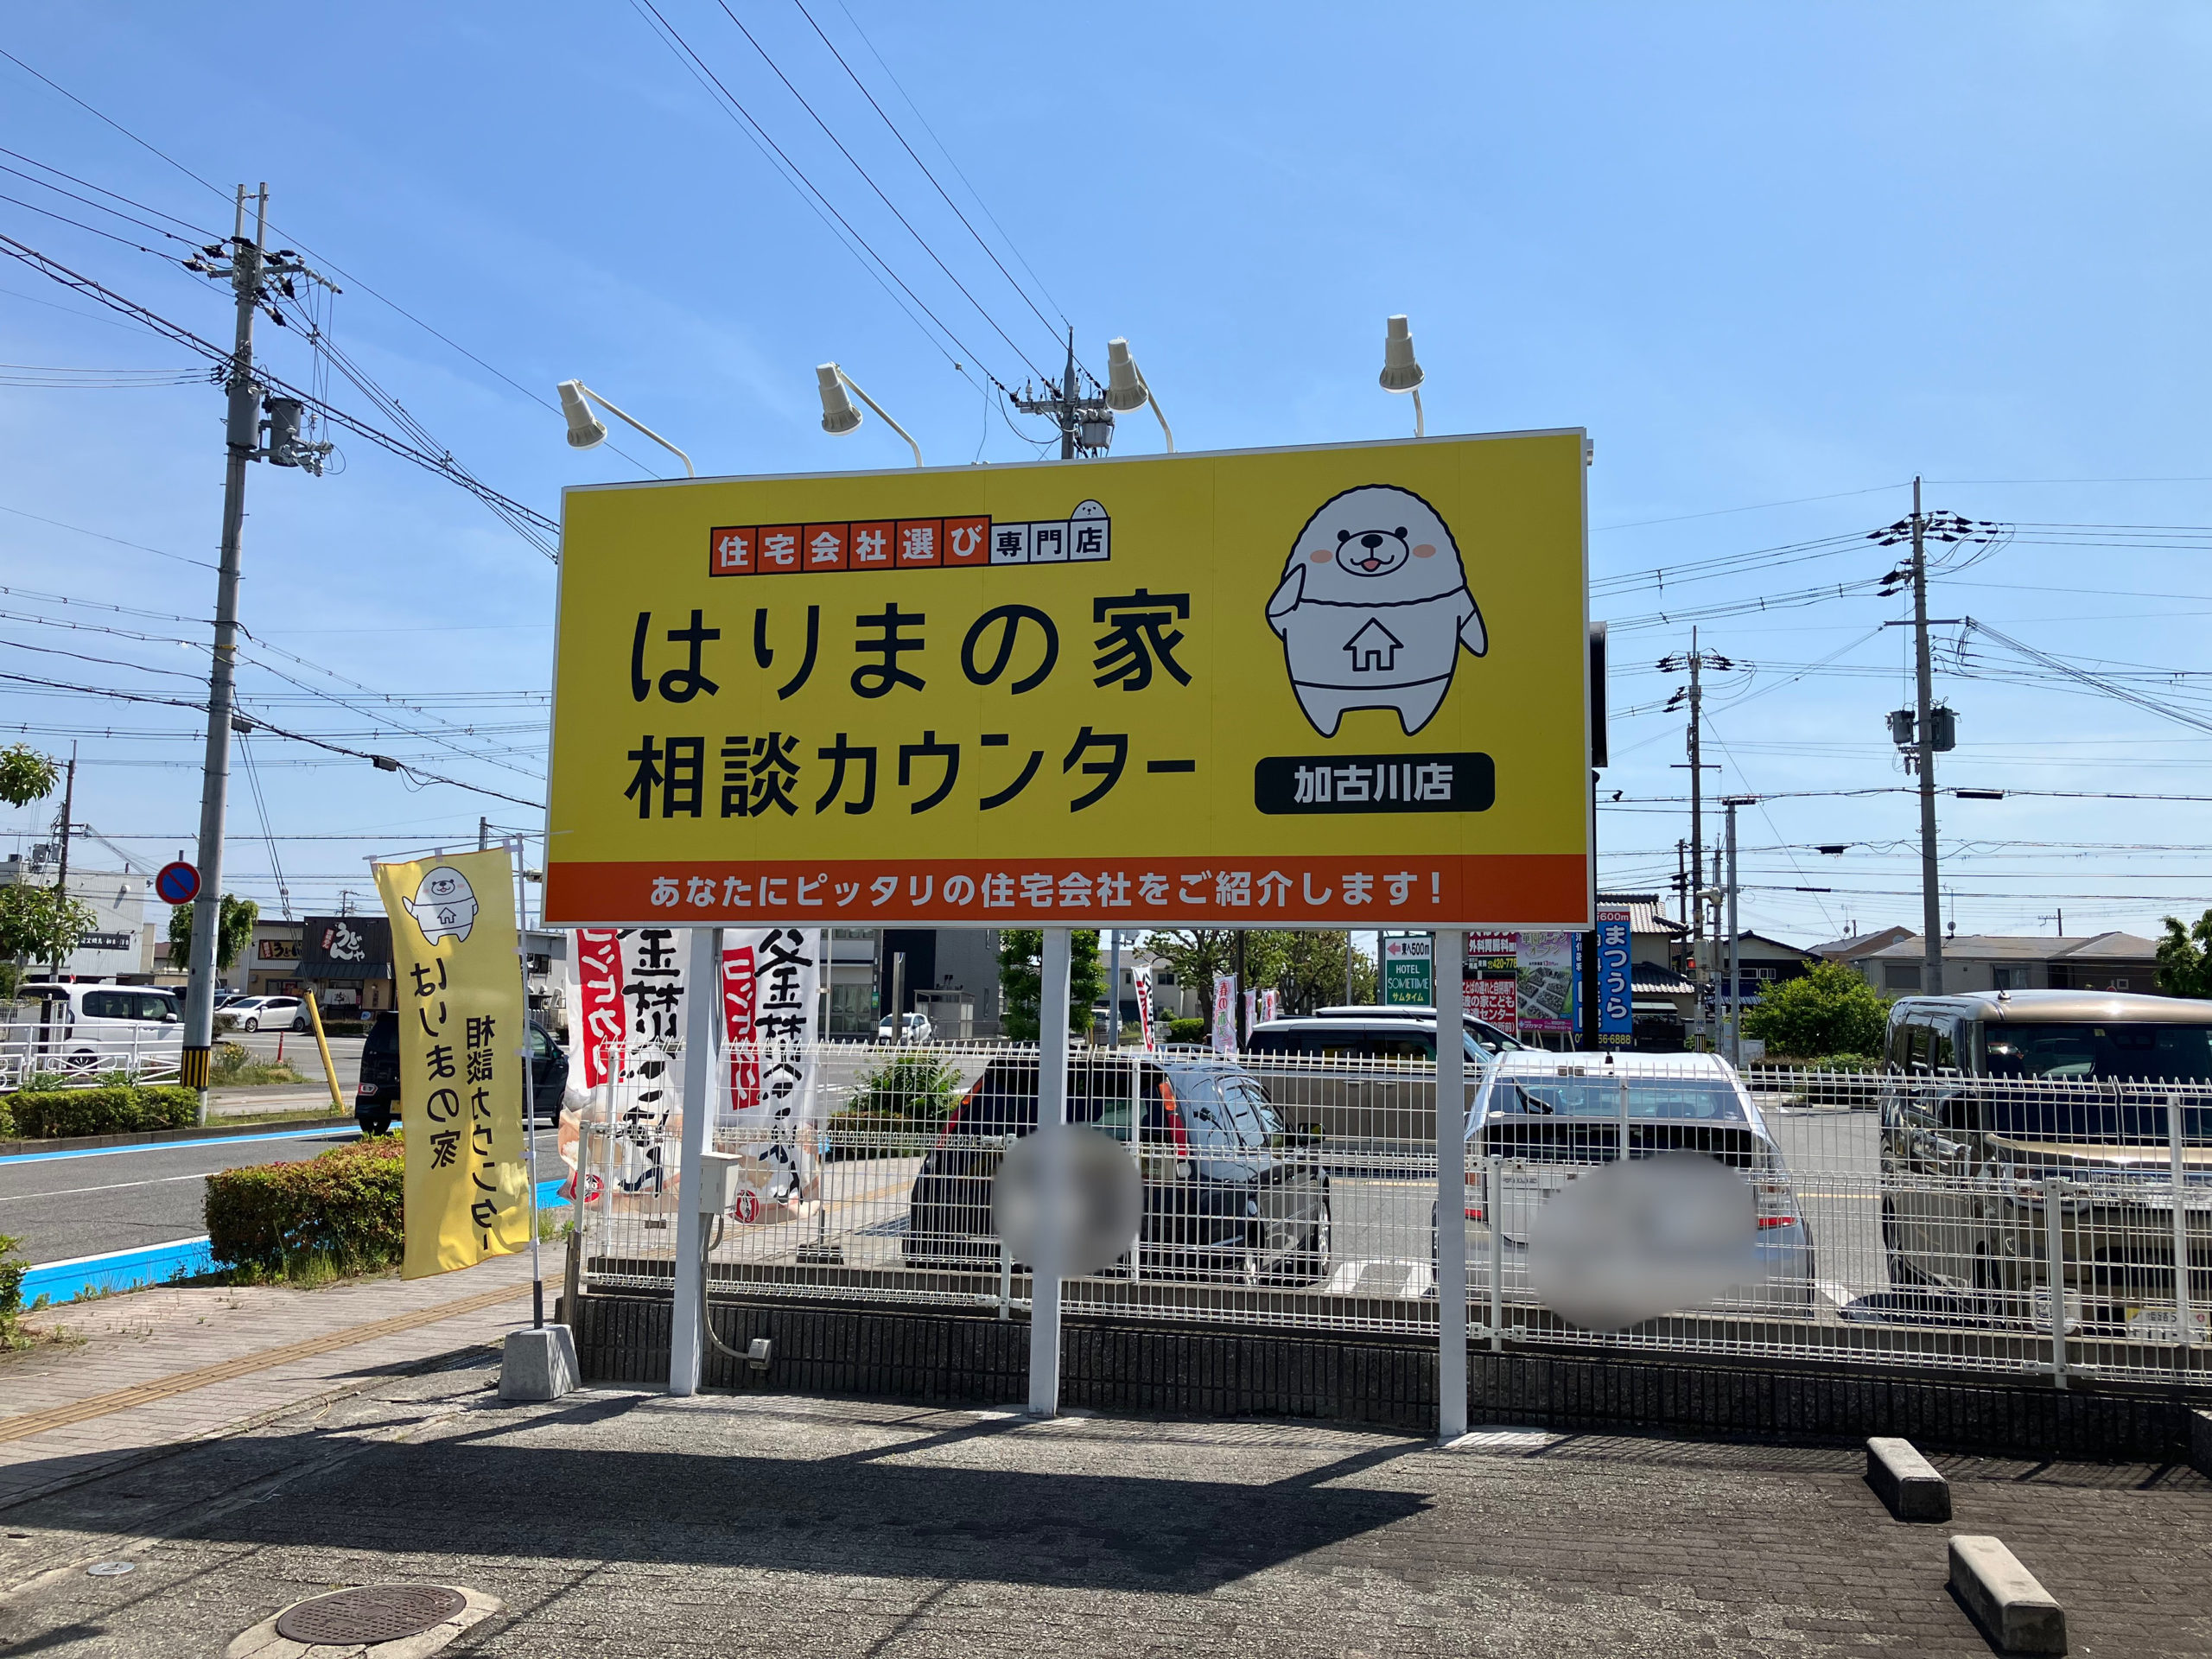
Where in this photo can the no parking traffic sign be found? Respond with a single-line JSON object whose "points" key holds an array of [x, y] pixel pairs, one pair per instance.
{"points": [[178, 883]]}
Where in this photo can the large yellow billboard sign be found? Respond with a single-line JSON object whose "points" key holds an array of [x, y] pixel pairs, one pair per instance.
{"points": [[1342, 686]]}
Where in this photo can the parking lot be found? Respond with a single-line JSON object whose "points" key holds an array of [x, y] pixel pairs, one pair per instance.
{"points": [[618, 1524]]}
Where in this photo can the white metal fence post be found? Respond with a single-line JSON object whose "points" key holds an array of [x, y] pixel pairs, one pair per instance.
{"points": [[1052, 1109], [2184, 1308], [701, 1018], [1493, 1213], [2054, 1221], [1447, 961]]}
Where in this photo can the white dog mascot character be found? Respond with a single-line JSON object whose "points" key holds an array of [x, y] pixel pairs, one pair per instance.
{"points": [[1373, 608]]}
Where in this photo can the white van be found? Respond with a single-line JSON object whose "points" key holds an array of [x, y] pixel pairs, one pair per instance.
{"points": [[94, 1025]]}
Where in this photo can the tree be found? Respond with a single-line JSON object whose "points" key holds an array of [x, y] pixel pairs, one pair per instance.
{"points": [[26, 775], [1829, 1010], [2185, 958], [1313, 972], [1197, 953], [1021, 976], [231, 934], [41, 924]]}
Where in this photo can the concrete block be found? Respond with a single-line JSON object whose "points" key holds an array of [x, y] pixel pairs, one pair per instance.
{"points": [[2018, 1614], [2200, 1442], [1905, 1481], [539, 1364]]}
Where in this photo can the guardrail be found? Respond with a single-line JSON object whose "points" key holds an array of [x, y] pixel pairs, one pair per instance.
{"points": [[2054, 1226], [30, 1058]]}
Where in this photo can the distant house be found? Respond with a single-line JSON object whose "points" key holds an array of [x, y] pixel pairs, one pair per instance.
{"points": [[1851, 949], [1762, 962], [2098, 961]]}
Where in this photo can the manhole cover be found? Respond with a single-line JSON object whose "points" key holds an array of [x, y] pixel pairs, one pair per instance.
{"points": [[374, 1612]]}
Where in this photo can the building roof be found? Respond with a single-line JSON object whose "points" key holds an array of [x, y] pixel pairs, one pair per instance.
{"points": [[1643, 913], [1658, 981], [2029, 947], [1856, 945], [1747, 936]]}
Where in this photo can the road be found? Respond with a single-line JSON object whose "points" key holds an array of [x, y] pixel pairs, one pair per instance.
{"points": [[298, 1048], [121, 1198]]}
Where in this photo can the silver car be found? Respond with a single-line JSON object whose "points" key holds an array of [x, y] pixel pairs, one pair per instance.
{"points": [[1550, 1118]]}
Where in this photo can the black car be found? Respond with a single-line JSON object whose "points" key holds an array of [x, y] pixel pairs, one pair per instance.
{"points": [[376, 1099], [1226, 1195]]}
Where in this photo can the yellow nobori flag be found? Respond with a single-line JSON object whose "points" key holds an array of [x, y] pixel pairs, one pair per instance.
{"points": [[462, 1038]]}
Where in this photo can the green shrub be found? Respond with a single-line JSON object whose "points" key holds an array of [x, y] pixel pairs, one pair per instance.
{"points": [[40, 1114], [1186, 1031], [908, 1086], [7, 1120], [342, 1213], [1826, 1010], [12, 1268]]}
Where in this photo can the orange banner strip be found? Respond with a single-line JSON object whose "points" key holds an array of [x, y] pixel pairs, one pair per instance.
{"points": [[1496, 890]]}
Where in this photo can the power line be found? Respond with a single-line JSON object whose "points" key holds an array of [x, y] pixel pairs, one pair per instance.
{"points": [[382, 762], [79, 223], [536, 397], [927, 174], [1759, 507], [920, 240], [675, 42], [97, 207], [200, 231], [527, 521]]}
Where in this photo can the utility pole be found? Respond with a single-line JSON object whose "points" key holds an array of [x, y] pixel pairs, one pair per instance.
{"points": [[1735, 940], [1697, 661], [1697, 964], [61, 885], [1085, 423], [1931, 899], [1681, 880], [483, 834], [1932, 729], [1113, 988], [249, 273], [1244, 989]]}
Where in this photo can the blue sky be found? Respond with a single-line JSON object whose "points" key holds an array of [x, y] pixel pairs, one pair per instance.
{"points": [[1766, 256]]}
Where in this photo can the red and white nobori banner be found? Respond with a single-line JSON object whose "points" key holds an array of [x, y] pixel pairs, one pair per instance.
{"points": [[627, 997], [1224, 1013], [770, 1001]]}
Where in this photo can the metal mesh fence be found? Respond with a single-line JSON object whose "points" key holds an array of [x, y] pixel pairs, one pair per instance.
{"points": [[2060, 1225]]}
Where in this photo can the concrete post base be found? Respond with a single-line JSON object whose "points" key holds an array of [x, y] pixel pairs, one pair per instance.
{"points": [[539, 1364]]}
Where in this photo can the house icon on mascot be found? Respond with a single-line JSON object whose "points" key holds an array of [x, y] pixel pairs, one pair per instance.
{"points": [[1374, 649]]}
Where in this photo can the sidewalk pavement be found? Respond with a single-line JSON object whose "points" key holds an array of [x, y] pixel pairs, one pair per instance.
{"points": [[148, 1371], [618, 1523], [276, 1098]]}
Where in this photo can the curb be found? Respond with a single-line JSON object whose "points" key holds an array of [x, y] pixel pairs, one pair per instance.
{"points": [[170, 1137]]}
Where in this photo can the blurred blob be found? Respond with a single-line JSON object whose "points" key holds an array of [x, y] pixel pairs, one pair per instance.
{"points": [[1627, 1241], [1067, 1197]]}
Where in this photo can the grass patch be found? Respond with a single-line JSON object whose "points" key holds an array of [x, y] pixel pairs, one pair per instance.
{"points": [[232, 1066]]}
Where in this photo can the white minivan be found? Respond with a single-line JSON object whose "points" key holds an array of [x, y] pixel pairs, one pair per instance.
{"points": [[93, 1025]]}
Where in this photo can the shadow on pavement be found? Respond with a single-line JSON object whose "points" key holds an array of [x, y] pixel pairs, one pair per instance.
{"points": [[1003, 1514]]}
